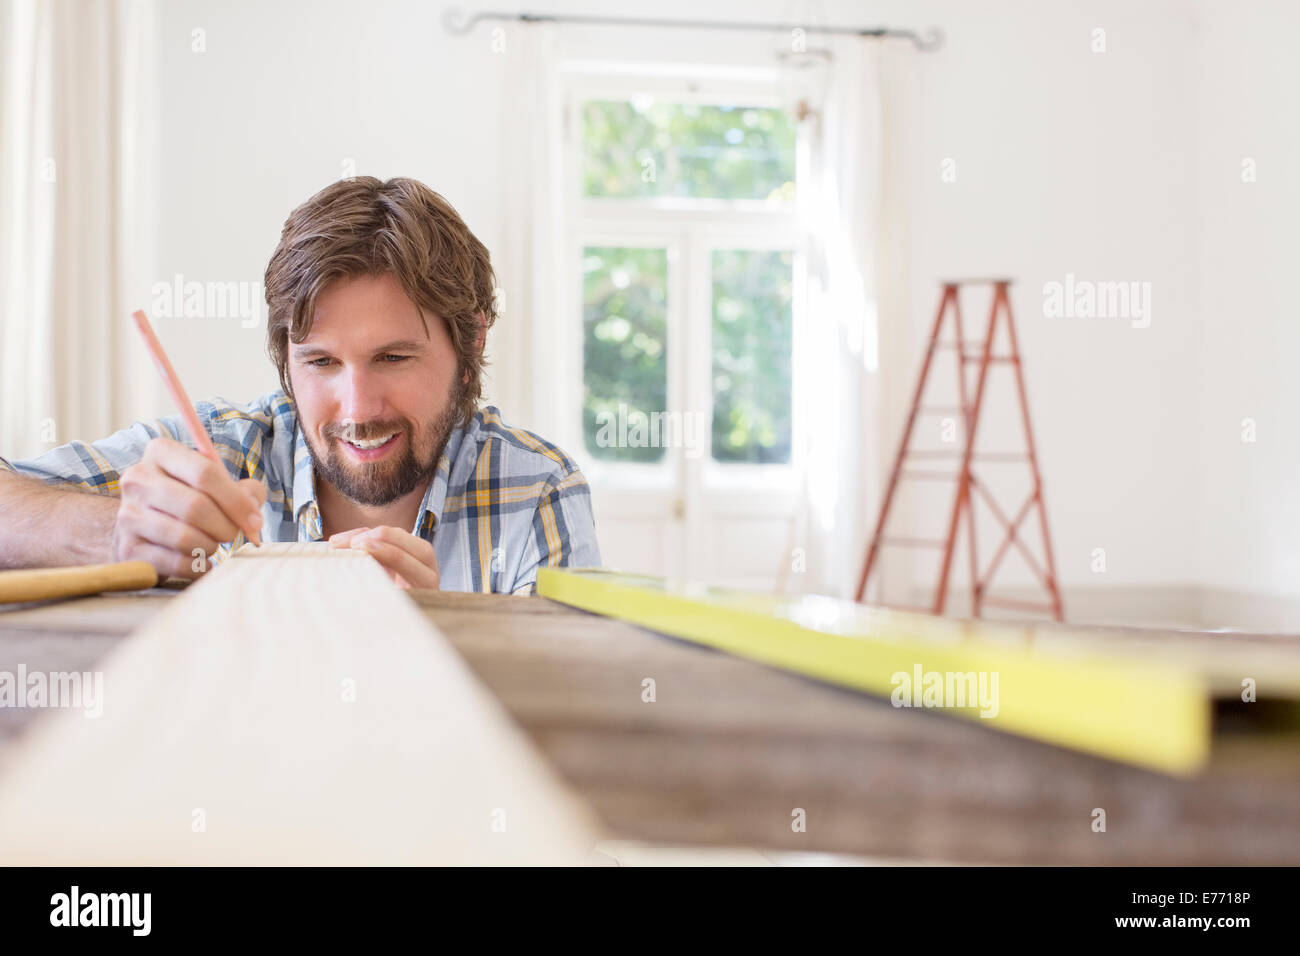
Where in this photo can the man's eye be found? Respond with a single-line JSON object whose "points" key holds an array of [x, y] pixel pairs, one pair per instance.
{"points": [[394, 359], [317, 362]]}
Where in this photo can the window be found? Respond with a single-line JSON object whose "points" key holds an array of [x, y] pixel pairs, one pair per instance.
{"points": [[684, 208], [645, 149], [625, 335], [752, 340]]}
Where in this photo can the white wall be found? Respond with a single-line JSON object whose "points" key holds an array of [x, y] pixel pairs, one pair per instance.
{"points": [[1113, 166], [1070, 161], [284, 95], [1247, 90]]}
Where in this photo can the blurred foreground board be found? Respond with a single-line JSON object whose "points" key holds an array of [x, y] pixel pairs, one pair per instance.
{"points": [[1148, 703], [726, 750], [293, 709]]}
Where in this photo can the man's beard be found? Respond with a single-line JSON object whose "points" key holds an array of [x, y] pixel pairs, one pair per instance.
{"points": [[382, 482]]}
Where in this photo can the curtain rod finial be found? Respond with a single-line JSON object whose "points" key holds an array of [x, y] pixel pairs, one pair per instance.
{"points": [[932, 40], [455, 20]]}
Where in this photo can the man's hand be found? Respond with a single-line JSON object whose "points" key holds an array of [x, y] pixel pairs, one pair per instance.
{"points": [[175, 500], [408, 560]]}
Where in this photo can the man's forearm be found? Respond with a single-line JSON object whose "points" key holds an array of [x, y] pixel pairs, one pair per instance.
{"points": [[45, 526]]}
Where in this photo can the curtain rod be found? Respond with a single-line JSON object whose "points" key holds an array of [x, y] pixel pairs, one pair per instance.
{"points": [[455, 21]]}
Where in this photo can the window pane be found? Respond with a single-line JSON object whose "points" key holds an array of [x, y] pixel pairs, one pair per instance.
{"points": [[752, 339], [645, 149], [625, 350]]}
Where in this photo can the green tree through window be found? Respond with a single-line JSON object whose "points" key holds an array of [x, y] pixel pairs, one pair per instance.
{"points": [[625, 345], [643, 153], [752, 339], [655, 150]]}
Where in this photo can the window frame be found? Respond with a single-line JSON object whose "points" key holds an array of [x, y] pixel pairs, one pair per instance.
{"points": [[690, 229]]}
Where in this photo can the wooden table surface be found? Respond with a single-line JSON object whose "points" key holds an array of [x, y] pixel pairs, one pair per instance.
{"points": [[730, 749]]}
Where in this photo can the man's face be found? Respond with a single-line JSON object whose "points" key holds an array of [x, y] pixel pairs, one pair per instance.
{"points": [[370, 370]]}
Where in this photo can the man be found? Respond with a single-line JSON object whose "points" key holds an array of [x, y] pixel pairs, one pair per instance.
{"points": [[379, 299]]}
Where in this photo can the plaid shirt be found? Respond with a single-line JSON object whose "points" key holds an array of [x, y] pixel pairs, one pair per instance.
{"points": [[504, 502]]}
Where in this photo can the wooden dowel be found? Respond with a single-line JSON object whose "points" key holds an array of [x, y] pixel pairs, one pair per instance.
{"points": [[40, 584]]}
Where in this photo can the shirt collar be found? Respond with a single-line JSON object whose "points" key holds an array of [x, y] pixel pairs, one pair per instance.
{"points": [[306, 512]]}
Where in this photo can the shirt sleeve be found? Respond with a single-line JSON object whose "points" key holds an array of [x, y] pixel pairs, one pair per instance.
{"points": [[564, 531], [98, 466]]}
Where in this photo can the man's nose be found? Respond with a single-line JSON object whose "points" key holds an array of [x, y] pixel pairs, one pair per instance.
{"points": [[361, 399]]}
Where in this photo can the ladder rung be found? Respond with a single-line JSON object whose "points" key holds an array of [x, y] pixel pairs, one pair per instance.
{"points": [[907, 608], [992, 358], [930, 453], [915, 542], [1014, 605]]}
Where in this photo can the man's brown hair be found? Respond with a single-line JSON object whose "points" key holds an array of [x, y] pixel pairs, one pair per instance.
{"points": [[361, 227]]}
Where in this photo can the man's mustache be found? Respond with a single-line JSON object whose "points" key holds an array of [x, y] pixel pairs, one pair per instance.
{"points": [[353, 431]]}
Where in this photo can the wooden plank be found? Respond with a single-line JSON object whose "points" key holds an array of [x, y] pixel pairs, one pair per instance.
{"points": [[730, 747], [119, 613], [1123, 708], [292, 707]]}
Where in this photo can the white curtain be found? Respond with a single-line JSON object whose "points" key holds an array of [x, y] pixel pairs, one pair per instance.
{"points": [[858, 310], [858, 317], [75, 141], [529, 263]]}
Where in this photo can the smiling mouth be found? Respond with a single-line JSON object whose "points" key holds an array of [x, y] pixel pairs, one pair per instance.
{"points": [[370, 444]]}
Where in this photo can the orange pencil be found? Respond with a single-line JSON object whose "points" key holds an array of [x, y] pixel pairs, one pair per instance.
{"points": [[173, 383]]}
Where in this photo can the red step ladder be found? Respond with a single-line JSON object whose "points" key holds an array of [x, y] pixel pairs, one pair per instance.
{"points": [[963, 505]]}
